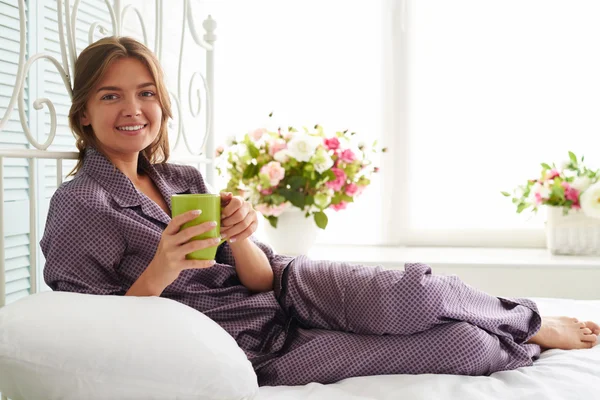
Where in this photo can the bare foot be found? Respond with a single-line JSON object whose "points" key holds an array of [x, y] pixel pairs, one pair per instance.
{"points": [[566, 333]]}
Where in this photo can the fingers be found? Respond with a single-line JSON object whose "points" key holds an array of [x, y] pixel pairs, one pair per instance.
{"points": [[246, 233], [234, 204], [225, 198], [235, 218], [185, 235], [198, 245], [175, 224], [242, 229]]}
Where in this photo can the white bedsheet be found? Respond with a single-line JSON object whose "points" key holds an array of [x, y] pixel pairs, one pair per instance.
{"points": [[556, 375]]}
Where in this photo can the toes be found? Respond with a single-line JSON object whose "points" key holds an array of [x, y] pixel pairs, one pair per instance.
{"points": [[586, 331], [593, 326], [589, 338]]}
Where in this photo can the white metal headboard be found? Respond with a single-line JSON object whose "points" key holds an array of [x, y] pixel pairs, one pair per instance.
{"points": [[67, 13]]}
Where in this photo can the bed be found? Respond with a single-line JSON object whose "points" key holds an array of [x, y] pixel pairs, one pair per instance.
{"points": [[555, 375]]}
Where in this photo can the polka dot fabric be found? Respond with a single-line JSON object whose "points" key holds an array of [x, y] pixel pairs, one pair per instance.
{"points": [[323, 322]]}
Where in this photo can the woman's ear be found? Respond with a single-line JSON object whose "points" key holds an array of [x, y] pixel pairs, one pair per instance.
{"points": [[85, 121]]}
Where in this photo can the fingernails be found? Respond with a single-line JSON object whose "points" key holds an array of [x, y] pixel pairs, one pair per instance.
{"points": [[232, 240], [196, 212], [212, 262], [223, 235], [212, 223]]}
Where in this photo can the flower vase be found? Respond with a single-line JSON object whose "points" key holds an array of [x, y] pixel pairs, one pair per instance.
{"points": [[572, 234], [295, 234]]}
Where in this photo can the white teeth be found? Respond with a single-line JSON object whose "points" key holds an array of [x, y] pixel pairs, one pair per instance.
{"points": [[130, 128]]}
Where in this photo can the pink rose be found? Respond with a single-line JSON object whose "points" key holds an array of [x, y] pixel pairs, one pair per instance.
{"points": [[332, 144], [219, 150], [277, 145], [274, 171], [347, 156], [538, 199], [570, 192], [257, 134], [552, 174], [267, 192], [351, 189], [340, 179], [341, 206]]}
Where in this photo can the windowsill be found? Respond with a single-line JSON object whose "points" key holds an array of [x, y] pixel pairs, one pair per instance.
{"points": [[449, 257]]}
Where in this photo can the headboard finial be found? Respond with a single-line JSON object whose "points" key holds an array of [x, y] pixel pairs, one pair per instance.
{"points": [[210, 25]]}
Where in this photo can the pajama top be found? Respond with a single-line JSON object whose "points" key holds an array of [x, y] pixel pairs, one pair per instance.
{"points": [[101, 233]]}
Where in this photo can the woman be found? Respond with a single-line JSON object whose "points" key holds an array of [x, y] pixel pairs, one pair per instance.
{"points": [[109, 231]]}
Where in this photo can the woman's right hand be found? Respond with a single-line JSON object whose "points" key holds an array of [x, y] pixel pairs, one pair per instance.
{"points": [[175, 243]]}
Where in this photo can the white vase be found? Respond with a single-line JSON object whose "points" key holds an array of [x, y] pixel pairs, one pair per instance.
{"points": [[294, 235], [572, 234]]}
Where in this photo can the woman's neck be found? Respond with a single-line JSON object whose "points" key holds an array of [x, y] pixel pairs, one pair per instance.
{"points": [[128, 165]]}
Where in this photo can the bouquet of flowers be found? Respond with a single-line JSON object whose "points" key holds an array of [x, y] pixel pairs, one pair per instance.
{"points": [[571, 186], [304, 168]]}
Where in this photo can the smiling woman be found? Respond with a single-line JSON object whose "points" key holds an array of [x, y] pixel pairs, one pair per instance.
{"points": [[121, 107]]}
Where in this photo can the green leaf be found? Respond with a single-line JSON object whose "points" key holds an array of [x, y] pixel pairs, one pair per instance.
{"points": [[296, 198], [572, 157], [277, 199], [272, 220], [522, 207], [253, 150], [250, 171], [506, 194], [546, 166], [296, 182], [321, 219]]}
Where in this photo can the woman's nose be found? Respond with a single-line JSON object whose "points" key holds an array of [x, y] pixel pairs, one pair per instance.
{"points": [[131, 107]]}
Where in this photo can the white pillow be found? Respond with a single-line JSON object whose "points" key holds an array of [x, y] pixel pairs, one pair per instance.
{"points": [[56, 345]]}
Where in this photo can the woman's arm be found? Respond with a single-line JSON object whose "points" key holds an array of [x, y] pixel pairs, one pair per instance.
{"points": [[252, 266]]}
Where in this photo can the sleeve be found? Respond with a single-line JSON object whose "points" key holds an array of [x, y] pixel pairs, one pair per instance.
{"points": [[82, 247]]}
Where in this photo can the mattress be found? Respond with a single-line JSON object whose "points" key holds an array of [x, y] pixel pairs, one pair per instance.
{"points": [[557, 374]]}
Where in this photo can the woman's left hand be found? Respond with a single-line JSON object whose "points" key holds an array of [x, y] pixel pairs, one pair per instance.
{"points": [[238, 218]]}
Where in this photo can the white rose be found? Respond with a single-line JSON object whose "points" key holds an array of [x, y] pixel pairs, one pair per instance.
{"points": [[581, 183], [229, 141], [543, 190], [303, 146], [324, 165], [282, 156], [590, 201]]}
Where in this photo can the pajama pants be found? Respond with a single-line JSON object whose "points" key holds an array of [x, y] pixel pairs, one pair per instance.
{"points": [[349, 320]]}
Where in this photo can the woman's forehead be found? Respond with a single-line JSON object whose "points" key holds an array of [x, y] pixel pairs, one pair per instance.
{"points": [[126, 73]]}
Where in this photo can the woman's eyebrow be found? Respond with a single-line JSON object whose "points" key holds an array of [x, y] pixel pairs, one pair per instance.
{"points": [[115, 88]]}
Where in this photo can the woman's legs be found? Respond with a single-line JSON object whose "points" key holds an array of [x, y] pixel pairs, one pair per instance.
{"points": [[373, 301], [317, 355]]}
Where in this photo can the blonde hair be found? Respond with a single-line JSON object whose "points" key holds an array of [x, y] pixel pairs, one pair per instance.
{"points": [[90, 67]]}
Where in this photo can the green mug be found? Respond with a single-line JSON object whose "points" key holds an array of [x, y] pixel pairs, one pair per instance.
{"points": [[210, 204]]}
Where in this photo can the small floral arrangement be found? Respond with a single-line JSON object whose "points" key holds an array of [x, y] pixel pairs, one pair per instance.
{"points": [[308, 169], [571, 186]]}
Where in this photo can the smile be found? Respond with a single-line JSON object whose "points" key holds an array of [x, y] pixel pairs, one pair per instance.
{"points": [[132, 129]]}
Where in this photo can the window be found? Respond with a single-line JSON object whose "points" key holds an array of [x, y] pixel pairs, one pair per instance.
{"points": [[493, 89], [307, 62]]}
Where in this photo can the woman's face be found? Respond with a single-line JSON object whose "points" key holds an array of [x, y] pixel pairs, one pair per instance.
{"points": [[123, 109]]}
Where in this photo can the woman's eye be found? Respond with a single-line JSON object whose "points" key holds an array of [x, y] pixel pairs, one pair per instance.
{"points": [[147, 93], [109, 97]]}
